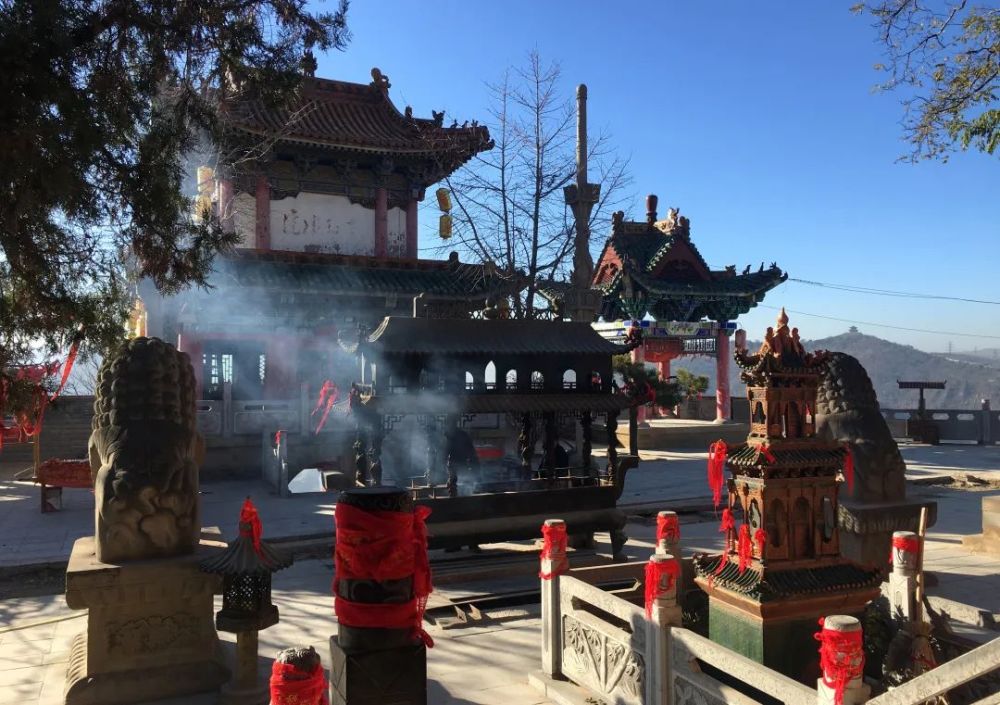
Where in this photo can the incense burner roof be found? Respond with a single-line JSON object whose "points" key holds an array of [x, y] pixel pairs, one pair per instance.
{"points": [[355, 117], [791, 582], [479, 337], [653, 267]]}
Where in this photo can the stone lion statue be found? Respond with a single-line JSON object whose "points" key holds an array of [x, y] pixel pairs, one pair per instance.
{"points": [[847, 411], [144, 453]]}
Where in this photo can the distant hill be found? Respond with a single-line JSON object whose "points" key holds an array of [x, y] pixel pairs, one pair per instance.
{"points": [[970, 377]]}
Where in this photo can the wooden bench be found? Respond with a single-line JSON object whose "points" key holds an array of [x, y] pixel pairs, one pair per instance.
{"points": [[56, 473]]}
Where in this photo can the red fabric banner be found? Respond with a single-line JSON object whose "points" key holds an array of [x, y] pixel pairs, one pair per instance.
{"points": [[665, 573], [766, 452], [251, 519], [554, 542], [716, 469], [849, 467], [383, 546], [841, 657], [668, 528], [328, 395], [290, 686], [744, 548], [760, 538]]}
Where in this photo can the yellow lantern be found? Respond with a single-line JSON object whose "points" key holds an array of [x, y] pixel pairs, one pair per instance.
{"points": [[444, 227], [444, 200]]}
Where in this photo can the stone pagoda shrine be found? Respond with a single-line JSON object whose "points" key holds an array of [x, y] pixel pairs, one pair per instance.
{"points": [[782, 567], [653, 267]]}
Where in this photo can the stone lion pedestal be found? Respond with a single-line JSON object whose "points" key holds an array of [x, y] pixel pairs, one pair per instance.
{"points": [[150, 632]]}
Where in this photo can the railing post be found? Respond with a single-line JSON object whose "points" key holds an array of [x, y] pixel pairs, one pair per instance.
{"points": [[985, 428], [668, 534], [554, 563], [903, 578], [842, 661], [228, 422], [663, 612]]}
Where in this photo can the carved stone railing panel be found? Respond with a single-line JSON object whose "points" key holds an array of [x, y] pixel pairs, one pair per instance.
{"points": [[604, 645], [251, 417], [209, 417], [687, 648]]}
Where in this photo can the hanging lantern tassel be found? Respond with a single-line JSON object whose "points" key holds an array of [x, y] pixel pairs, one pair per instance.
{"points": [[744, 548], [727, 524], [849, 467], [716, 469]]}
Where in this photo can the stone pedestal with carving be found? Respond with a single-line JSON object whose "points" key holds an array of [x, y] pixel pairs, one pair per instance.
{"points": [[150, 628]]}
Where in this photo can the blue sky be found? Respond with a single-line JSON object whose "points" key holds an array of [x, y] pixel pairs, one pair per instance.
{"points": [[756, 119]]}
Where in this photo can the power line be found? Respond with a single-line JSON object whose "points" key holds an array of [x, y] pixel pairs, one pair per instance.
{"points": [[882, 325], [889, 292]]}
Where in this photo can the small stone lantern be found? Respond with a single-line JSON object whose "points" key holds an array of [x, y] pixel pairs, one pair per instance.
{"points": [[246, 567]]}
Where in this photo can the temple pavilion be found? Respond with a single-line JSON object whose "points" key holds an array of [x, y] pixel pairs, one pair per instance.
{"points": [[326, 215], [652, 269]]}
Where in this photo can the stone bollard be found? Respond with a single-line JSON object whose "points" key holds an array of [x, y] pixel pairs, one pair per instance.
{"points": [[668, 534], [842, 661], [903, 578], [379, 533], [297, 678], [553, 563]]}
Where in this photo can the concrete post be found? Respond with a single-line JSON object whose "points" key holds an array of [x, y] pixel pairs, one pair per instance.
{"points": [[665, 612], [551, 612], [669, 546], [856, 692], [722, 400], [986, 432], [245, 688], [903, 578]]}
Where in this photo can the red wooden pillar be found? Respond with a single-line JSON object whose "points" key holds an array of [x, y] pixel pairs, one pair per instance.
{"points": [[262, 232], [639, 356], [722, 399], [411, 228], [226, 204], [191, 345], [382, 222]]}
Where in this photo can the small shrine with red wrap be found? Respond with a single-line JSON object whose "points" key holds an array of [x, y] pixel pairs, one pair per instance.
{"points": [[781, 568]]}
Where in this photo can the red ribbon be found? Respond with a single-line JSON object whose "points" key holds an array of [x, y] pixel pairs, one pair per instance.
{"points": [[744, 548], [841, 657], [727, 524], [760, 538], [383, 546], [660, 573], [849, 467], [554, 541], [277, 438], [668, 528], [301, 689], [766, 452], [904, 543], [716, 469], [328, 394], [250, 518]]}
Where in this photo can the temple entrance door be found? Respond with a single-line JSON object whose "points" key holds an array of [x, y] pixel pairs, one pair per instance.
{"points": [[241, 363]]}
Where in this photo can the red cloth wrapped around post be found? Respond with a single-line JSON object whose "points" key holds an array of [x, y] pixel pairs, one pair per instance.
{"points": [[383, 546], [744, 548], [668, 528], [841, 658], [554, 540], [302, 689], [665, 573], [910, 544], [716, 469]]}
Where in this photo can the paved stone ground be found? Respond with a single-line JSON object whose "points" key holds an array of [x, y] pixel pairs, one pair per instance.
{"points": [[483, 665]]}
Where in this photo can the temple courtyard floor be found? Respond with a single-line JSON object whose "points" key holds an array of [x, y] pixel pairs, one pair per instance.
{"points": [[478, 663]]}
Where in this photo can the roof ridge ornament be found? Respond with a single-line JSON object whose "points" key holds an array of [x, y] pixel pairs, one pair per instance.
{"points": [[380, 80]]}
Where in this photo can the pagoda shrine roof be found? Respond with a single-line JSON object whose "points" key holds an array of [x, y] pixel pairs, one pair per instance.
{"points": [[360, 118], [779, 584], [653, 265], [355, 275], [422, 336]]}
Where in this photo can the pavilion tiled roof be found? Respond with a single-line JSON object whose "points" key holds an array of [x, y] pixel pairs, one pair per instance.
{"points": [[489, 337], [355, 275], [356, 117], [770, 585], [749, 455]]}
